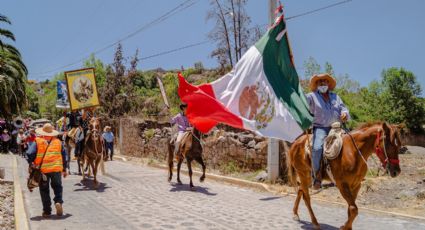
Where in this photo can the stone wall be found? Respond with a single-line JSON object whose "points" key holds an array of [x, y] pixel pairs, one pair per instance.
{"points": [[223, 145], [413, 139]]}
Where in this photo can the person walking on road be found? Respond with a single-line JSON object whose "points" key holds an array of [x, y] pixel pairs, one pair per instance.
{"points": [[48, 151], [108, 136], [5, 139], [20, 140]]}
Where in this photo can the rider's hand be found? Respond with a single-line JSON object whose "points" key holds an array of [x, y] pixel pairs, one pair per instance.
{"points": [[344, 117], [64, 174]]}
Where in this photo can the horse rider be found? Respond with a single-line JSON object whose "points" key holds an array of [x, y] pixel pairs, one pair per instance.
{"points": [[327, 108], [79, 140], [182, 125], [49, 152]]}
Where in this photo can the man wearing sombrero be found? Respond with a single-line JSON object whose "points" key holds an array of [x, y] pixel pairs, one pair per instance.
{"points": [[182, 125], [327, 108], [48, 152]]}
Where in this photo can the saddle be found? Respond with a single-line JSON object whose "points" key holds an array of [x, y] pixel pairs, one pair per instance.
{"points": [[183, 143], [332, 147]]}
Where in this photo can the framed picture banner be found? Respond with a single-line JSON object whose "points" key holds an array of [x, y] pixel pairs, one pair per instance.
{"points": [[82, 88]]}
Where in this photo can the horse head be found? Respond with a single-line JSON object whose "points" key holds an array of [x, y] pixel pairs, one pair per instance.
{"points": [[388, 148]]}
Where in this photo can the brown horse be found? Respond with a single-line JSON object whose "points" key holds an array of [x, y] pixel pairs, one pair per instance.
{"points": [[349, 168], [94, 151], [190, 149]]}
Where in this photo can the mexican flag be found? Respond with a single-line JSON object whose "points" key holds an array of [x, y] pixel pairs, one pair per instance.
{"points": [[262, 93]]}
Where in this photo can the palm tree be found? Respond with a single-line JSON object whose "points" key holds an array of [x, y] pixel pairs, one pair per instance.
{"points": [[13, 75]]}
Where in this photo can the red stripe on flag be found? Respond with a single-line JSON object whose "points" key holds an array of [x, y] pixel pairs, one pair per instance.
{"points": [[203, 110]]}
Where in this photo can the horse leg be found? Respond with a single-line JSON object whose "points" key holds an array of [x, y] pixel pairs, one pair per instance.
{"points": [[79, 165], [296, 205], [350, 195], [170, 161], [201, 162], [179, 164], [92, 168], [95, 165], [305, 178], [189, 167]]}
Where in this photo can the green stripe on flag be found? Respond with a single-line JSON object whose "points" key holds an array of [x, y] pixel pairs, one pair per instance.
{"points": [[282, 75]]}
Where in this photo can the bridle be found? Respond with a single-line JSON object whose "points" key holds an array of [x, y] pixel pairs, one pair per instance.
{"points": [[94, 138], [381, 152]]}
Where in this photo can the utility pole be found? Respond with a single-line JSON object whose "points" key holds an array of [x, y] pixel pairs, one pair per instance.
{"points": [[273, 144]]}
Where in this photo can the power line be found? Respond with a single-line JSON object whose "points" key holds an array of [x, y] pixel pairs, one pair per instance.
{"points": [[172, 12], [174, 50], [182, 6], [317, 10]]}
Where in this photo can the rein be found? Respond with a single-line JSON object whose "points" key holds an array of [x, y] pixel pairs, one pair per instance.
{"points": [[357, 148], [199, 139], [95, 144]]}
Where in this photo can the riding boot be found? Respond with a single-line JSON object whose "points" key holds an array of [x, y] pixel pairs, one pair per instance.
{"points": [[317, 184]]}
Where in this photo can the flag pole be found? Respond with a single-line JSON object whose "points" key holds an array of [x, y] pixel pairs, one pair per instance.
{"points": [[273, 144]]}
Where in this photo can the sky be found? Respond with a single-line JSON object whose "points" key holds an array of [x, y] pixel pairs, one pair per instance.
{"points": [[359, 38]]}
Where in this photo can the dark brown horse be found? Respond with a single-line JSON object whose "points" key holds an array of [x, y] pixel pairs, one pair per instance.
{"points": [[349, 168], [94, 151], [190, 149]]}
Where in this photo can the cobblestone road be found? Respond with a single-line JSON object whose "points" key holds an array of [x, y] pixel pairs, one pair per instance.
{"points": [[138, 197]]}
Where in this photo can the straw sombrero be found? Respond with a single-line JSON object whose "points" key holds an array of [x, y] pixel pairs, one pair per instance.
{"points": [[317, 77], [47, 130], [107, 128]]}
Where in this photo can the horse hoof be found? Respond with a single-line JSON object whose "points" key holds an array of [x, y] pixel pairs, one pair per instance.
{"points": [[202, 179], [316, 226], [192, 188], [296, 217], [169, 180], [179, 182]]}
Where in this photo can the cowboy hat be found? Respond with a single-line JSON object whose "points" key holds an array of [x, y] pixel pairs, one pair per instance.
{"points": [[183, 105], [325, 76], [107, 128], [47, 130]]}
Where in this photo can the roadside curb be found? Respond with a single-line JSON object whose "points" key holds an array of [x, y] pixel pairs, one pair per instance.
{"points": [[21, 220], [266, 188]]}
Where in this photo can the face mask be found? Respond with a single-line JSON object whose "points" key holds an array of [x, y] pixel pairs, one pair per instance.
{"points": [[323, 88]]}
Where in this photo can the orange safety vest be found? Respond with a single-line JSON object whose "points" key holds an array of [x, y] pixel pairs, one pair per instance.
{"points": [[52, 162]]}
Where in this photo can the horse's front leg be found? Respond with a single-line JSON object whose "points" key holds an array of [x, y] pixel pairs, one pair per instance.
{"points": [[201, 162], [189, 167], [179, 165], [350, 195], [93, 169]]}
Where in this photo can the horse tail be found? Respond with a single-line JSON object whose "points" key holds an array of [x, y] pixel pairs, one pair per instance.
{"points": [[292, 173]]}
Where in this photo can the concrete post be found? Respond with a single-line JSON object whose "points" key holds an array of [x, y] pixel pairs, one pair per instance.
{"points": [[273, 144]]}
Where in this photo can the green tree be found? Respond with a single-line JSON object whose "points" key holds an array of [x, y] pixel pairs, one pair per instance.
{"points": [[329, 69], [100, 69], [311, 67], [13, 75], [402, 94]]}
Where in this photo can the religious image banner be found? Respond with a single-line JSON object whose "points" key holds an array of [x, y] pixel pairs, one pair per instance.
{"points": [[82, 88]]}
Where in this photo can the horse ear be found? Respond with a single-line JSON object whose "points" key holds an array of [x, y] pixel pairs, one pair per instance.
{"points": [[386, 128]]}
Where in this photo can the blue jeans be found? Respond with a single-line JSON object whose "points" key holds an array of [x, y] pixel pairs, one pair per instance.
{"points": [[55, 180], [319, 134], [109, 146]]}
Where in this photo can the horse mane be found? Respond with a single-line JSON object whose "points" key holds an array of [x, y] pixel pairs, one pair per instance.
{"points": [[368, 124]]}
